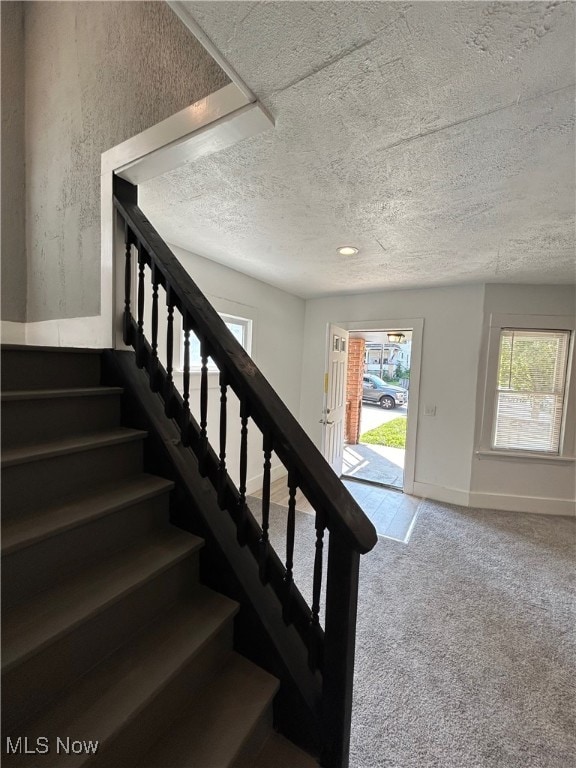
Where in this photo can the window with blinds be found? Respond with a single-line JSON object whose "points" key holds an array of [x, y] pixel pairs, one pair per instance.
{"points": [[532, 367]]}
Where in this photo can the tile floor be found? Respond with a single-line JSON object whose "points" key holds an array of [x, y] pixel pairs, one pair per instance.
{"points": [[393, 513]]}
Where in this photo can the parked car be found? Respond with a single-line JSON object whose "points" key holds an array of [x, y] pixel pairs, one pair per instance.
{"points": [[375, 390]]}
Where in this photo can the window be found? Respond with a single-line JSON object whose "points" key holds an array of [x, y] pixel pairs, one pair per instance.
{"points": [[530, 390], [240, 327]]}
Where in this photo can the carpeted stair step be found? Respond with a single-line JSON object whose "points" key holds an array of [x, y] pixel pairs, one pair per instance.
{"points": [[25, 367], [213, 729], [45, 473], [52, 639], [107, 635], [48, 414], [132, 696], [41, 548], [84, 508], [277, 752]]}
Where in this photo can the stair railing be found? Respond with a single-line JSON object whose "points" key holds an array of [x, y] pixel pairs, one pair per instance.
{"points": [[330, 649]]}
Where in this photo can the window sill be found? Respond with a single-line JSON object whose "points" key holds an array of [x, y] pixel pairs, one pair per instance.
{"points": [[487, 454]]}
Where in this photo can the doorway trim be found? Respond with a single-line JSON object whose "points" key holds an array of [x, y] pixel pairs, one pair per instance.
{"points": [[334, 417], [417, 327]]}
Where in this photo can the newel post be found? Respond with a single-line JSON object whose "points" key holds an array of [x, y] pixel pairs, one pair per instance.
{"points": [[124, 266], [339, 649]]}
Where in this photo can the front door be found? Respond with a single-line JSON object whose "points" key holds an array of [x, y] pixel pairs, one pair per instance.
{"points": [[335, 398]]}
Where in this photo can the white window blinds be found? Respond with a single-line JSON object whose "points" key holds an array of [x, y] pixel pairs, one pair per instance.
{"points": [[529, 406]]}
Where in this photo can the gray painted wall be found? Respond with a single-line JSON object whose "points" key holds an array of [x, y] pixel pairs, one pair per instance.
{"points": [[97, 73], [13, 232]]}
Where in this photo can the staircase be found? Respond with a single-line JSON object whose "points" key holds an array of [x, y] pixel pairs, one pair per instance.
{"points": [[108, 635]]}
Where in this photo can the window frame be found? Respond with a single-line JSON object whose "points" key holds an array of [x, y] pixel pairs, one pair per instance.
{"points": [[498, 323], [195, 368]]}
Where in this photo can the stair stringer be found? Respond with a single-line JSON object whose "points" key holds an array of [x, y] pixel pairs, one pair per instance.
{"points": [[260, 632]]}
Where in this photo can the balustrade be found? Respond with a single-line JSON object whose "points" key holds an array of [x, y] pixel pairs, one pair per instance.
{"points": [[330, 650]]}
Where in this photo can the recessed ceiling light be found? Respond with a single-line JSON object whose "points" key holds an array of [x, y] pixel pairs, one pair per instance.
{"points": [[347, 250]]}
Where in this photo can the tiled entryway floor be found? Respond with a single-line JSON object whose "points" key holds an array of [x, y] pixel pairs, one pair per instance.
{"points": [[393, 513]]}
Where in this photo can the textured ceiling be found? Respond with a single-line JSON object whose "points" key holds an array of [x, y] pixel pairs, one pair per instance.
{"points": [[438, 138]]}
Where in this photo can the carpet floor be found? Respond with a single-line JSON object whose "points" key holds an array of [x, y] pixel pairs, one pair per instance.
{"points": [[465, 652]]}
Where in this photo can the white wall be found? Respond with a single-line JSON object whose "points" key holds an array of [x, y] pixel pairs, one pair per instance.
{"points": [[278, 330], [514, 483], [289, 348], [451, 346]]}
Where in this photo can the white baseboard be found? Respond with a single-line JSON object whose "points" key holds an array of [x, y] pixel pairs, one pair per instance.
{"points": [[13, 333], [440, 493], [91, 332], [535, 504], [498, 501], [254, 484]]}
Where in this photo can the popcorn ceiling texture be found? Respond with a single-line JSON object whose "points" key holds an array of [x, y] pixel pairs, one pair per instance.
{"points": [[13, 189], [97, 73], [436, 137]]}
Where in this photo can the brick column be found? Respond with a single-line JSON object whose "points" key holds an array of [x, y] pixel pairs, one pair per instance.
{"points": [[354, 389]]}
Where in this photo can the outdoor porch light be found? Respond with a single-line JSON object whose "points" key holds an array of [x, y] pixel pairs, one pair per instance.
{"points": [[347, 250], [395, 338]]}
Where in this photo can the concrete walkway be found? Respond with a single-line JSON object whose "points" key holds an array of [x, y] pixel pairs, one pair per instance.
{"points": [[377, 463]]}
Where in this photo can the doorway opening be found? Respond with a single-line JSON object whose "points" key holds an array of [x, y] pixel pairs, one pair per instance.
{"points": [[377, 403]]}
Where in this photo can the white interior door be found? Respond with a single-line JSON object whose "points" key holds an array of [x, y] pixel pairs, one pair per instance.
{"points": [[335, 398]]}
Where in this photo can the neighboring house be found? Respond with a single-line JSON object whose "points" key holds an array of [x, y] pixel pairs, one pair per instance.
{"points": [[404, 355], [382, 359]]}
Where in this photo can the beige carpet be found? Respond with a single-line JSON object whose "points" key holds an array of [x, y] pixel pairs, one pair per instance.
{"points": [[466, 641]]}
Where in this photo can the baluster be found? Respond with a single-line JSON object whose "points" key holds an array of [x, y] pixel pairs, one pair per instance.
{"points": [[264, 544], [169, 388], [315, 633], [127, 324], [185, 425], [222, 455], [154, 360], [241, 514], [290, 531], [203, 443], [140, 337]]}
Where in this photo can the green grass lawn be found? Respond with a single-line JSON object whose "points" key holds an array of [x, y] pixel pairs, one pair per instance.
{"points": [[393, 434]]}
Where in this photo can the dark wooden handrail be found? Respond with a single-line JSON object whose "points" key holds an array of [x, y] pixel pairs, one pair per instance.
{"points": [[321, 485], [351, 533]]}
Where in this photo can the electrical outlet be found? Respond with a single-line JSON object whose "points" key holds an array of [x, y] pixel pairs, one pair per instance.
{"points": [[429, 410]]}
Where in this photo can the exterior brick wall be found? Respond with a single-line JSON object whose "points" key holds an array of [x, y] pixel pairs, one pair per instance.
{"points": [[354, 389]]}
